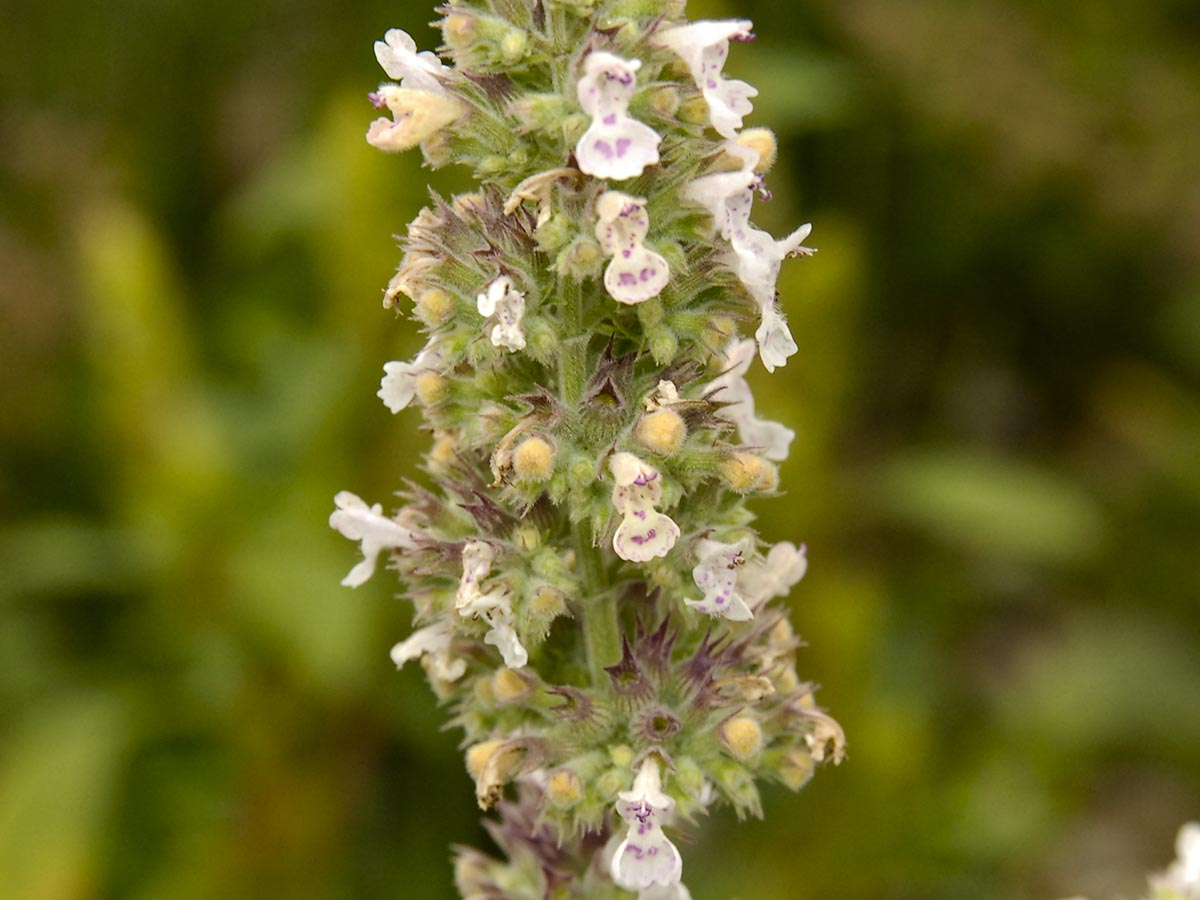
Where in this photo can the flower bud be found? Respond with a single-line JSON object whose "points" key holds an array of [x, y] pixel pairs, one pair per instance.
{"points": [[650, 313], [742, 736], [621, 756], [478, 755], [533, 459], [661, 432], [438, 149], [443, 451], [431, 387], [513, 47], [663, 346], [491, 166], [694, 110], [717, 332], [458, 30], [564, 789], [582, 472], [573, 127], [664, 101], [796, 768], [434, 307], [761, 141], [738, 785], [547, 604], [538, 112], [471, 873], [553, 233], [581, 259], [509, 687], [743, 472]]}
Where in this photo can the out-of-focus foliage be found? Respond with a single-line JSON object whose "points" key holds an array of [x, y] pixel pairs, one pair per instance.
{"points": [[997, 467]]}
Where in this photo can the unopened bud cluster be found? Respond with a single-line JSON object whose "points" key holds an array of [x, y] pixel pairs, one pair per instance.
{"points": [[589, 595]]}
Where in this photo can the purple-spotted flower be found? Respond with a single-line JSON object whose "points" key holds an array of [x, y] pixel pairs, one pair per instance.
{"points": [[615, 145], [644, 533], [357, 521], [756, 256], [493, 606], [397, 54], [635, 273], [505, 305], [717, 576], [646, 857], [704, 47], [399, 383], [771, 439], [432, 644], [775, 575]]}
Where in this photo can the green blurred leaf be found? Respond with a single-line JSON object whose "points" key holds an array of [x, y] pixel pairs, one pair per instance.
{"points": [[58, 775], [993, 506]]}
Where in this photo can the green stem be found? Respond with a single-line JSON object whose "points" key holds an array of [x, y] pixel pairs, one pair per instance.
{"points": [[572, 360], [598, 606]]}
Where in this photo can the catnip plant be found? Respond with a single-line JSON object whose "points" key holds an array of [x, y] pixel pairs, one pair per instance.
{"points": [[591, 599]]}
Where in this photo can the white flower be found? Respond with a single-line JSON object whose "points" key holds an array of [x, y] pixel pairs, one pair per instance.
{"points": [[665, 396], [716, 575], [398, 55], [494, 606], [416, 115], [643, 533], [477, 559], [635, 272], [775, 576], [432, 643], [359, 522], [1183, 876], [615, 145], [723, 194], [756, 256], [775, 341], [507, 304], [399, 383], [825, 731], [646, 857], [772, 439], [704, 47]]}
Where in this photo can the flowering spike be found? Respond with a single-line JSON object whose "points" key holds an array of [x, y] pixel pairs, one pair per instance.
{"points": [[592, 601], [615, 144]]}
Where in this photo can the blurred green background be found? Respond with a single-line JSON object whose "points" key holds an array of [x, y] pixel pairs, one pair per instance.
{"points": [[997, 469]]}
